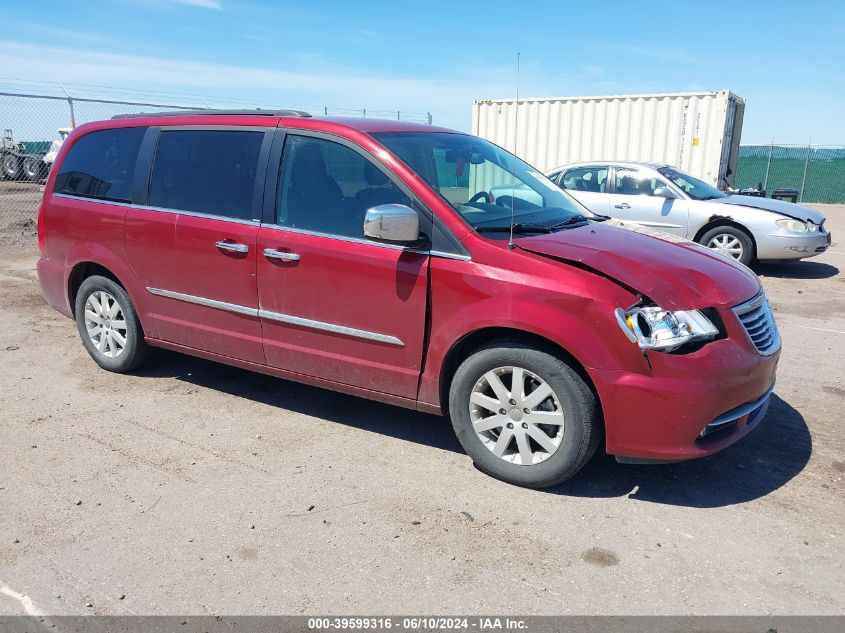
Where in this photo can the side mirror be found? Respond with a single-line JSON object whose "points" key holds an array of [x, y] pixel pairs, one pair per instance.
{"points": [[664, 192], [392, 223]]}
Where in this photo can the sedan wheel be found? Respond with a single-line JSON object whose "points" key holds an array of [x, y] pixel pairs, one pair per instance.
{"points": [[730, 241], [726, 244], [516, 415]]}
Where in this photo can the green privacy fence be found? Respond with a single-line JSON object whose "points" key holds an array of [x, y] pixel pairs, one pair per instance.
{"points": [[816, 172]]}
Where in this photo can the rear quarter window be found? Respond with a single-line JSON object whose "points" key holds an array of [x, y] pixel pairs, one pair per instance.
{"points": [[101, 165]]}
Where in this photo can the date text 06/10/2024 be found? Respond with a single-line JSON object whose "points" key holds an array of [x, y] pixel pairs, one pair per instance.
{"points": [[416, 623]]}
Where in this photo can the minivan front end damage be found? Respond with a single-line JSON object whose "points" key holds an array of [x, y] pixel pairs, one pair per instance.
{"points": [[707, 385], [704, 392], [690, 405]]}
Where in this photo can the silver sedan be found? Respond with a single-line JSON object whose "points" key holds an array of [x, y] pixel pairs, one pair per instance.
{"points": [[746, 228]]}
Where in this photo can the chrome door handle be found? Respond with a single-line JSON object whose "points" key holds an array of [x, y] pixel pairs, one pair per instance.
{"points": [[272, 253], [624, 205], [232, 247]]}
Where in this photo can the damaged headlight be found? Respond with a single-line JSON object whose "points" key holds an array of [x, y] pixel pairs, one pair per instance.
{"points": [[652, 327]]}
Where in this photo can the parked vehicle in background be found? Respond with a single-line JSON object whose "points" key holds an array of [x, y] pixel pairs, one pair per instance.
{"points": [[370, 257], [28, 160], [55, 146], [747, 228]]}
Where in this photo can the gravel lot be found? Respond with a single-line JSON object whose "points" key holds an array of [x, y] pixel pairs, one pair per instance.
{"points": [[196, 488]]}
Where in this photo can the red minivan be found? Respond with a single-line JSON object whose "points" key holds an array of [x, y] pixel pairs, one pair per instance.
{"points": [[371, 257]]}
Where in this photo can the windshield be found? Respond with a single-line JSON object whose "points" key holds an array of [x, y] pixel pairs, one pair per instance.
{"points": [[490, 188], [693, 187]]}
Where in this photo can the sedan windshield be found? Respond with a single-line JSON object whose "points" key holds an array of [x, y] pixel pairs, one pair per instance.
{"points": [[693, 187], [490, 188]]}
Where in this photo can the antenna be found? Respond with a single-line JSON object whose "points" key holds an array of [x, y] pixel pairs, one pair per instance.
{"points": [[515, 142]]}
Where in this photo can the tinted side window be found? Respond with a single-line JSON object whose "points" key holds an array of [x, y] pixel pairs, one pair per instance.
{"points": [[207, 171], [585, 179], [328, 187], [101, 165], [635, 183]]}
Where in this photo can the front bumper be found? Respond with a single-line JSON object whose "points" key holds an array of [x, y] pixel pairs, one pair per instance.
{"points": [[786, 245], [661, 416]]}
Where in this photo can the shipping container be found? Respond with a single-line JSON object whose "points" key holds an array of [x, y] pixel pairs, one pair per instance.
{"points": [[696, 132]]}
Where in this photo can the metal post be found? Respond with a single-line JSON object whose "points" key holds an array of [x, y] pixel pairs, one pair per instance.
{"points": [[326, 110], [429, 118], [804, 178], [70, 104], [768, 164], [365, 113], [398, 118]]}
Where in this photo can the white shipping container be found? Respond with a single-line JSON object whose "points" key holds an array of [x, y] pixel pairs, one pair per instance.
{"points": [[696, 132]]}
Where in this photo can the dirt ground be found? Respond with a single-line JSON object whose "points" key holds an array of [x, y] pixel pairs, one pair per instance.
{"points": [[195, 488]]}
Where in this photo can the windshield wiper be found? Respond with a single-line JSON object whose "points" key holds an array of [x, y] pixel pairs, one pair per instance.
{"points": [[575, 219], [517, 227]]}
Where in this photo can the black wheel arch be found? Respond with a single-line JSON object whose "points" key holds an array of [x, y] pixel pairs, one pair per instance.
{"points": [[716, 222], [464, 347], [80, 273]]}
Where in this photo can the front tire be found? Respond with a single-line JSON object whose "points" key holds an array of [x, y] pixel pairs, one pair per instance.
{"points": [[730, 241], [524, 415], [109, 326], [10, 167]]}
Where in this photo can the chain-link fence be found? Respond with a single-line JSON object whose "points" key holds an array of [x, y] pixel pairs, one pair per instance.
{"points": [[34, 125], [808, 173]]}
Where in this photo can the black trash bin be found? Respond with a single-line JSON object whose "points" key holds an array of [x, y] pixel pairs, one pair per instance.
{"points": [[788, 195]]}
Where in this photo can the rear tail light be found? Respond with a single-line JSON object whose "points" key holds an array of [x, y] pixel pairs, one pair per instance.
{"points": [[41, 246]]}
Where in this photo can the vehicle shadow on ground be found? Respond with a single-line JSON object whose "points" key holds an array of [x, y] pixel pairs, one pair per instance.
{"points": [[762, 462], [770, 456], [369, 415], [796, 270]]}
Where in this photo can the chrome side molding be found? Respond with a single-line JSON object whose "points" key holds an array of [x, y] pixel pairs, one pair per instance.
{"points": [[331, 327], [208, 303], [322, 326]]}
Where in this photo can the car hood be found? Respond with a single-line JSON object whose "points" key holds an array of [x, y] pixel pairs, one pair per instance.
{"points": [[789, 209], [671, 271]]}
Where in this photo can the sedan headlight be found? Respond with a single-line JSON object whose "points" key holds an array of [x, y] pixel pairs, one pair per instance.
{"points": [[796, 226], [652, 327]]}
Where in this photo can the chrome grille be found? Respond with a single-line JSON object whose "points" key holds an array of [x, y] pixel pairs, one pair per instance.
{"points": [[759, 323]]}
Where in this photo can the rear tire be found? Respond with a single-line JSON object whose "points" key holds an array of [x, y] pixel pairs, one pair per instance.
{"points": [[33, 170], [515, 434], [108, 325], [730, 241]]}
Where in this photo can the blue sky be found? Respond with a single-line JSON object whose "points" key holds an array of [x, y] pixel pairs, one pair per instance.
{"points": [[786, 59]]}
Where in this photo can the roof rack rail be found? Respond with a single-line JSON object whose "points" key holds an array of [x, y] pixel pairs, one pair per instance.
{"points": [[256, 112]]}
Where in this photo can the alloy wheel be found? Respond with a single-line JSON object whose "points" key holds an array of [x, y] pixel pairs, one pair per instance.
{"points": [[11, 166], [726, 244], [105, 324], [31, 168], [516, 415]]}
